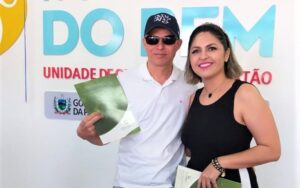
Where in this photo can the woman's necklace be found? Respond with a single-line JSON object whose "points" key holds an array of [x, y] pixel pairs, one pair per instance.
{"points": [[210, 93]]}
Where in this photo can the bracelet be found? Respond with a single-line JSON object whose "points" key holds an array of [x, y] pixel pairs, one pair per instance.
{"points": [[217, 166]]}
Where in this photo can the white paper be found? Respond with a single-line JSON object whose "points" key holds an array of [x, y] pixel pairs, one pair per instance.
{"points": [[122, 129]]}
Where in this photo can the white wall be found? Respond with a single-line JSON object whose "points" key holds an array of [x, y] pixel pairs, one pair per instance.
{"points": [[297, 89], [36, 151]]}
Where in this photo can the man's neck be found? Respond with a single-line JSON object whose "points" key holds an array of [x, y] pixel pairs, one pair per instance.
{"points": [[160, 73]]}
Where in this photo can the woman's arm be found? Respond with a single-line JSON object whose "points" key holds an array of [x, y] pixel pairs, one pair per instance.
{"points": [[253, 111]]}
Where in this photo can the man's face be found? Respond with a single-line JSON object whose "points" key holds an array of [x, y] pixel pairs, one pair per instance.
{"points": [[162, 53]]}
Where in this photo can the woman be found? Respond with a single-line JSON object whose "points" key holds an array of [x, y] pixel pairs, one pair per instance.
{"points": [[225, 114]]}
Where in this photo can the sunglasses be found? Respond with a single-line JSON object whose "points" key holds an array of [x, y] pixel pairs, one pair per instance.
{"points": [[167, 40]]}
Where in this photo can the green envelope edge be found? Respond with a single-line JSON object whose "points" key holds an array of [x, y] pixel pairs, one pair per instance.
{"points": [[134, 131]]}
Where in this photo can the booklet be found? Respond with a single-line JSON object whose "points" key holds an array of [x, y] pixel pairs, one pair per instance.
{"points": [[187, 178], [107, 96]]}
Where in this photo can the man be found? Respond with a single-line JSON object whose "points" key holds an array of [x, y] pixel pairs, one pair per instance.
{"points": [[158, 97]]}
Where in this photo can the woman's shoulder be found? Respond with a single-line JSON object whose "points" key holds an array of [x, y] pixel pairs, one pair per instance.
{"points": [[247, 92]]}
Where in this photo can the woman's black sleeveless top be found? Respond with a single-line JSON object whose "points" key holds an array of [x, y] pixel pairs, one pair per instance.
{"points": [[211, 131]]}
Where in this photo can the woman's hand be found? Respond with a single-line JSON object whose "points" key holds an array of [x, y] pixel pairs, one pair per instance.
{"points": [[208, 178]]}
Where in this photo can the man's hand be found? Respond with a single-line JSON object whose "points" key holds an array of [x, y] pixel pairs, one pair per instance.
{"points": [[86, 129]]}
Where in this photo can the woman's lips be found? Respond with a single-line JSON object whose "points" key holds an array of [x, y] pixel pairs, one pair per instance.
{"points": [[204, 65]]}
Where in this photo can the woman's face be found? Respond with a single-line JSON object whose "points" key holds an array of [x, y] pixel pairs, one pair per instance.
{"points": [[207, 55]]}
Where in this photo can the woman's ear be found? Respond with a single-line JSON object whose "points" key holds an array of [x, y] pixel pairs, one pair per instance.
{"points": [[227, 54]]}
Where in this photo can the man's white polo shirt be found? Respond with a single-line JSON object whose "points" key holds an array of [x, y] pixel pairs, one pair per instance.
{"points": [[149, 158]]}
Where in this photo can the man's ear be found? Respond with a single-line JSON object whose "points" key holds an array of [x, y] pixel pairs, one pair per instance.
{"points": [[144, 41], [178, 43]]}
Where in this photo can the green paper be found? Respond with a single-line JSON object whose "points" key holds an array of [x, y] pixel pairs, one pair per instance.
{"points": [[223, 183], [106, 95], [188, 178]]}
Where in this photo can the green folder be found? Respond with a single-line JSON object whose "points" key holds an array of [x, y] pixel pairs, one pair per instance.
{"points": [[223, 183], [188, 178], [106, 95]]}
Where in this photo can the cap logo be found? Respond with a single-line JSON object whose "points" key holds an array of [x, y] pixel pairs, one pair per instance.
{"points": [[163, 18]]}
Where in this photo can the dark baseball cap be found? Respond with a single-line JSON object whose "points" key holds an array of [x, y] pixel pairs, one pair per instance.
{"points": [[162, 20]]}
